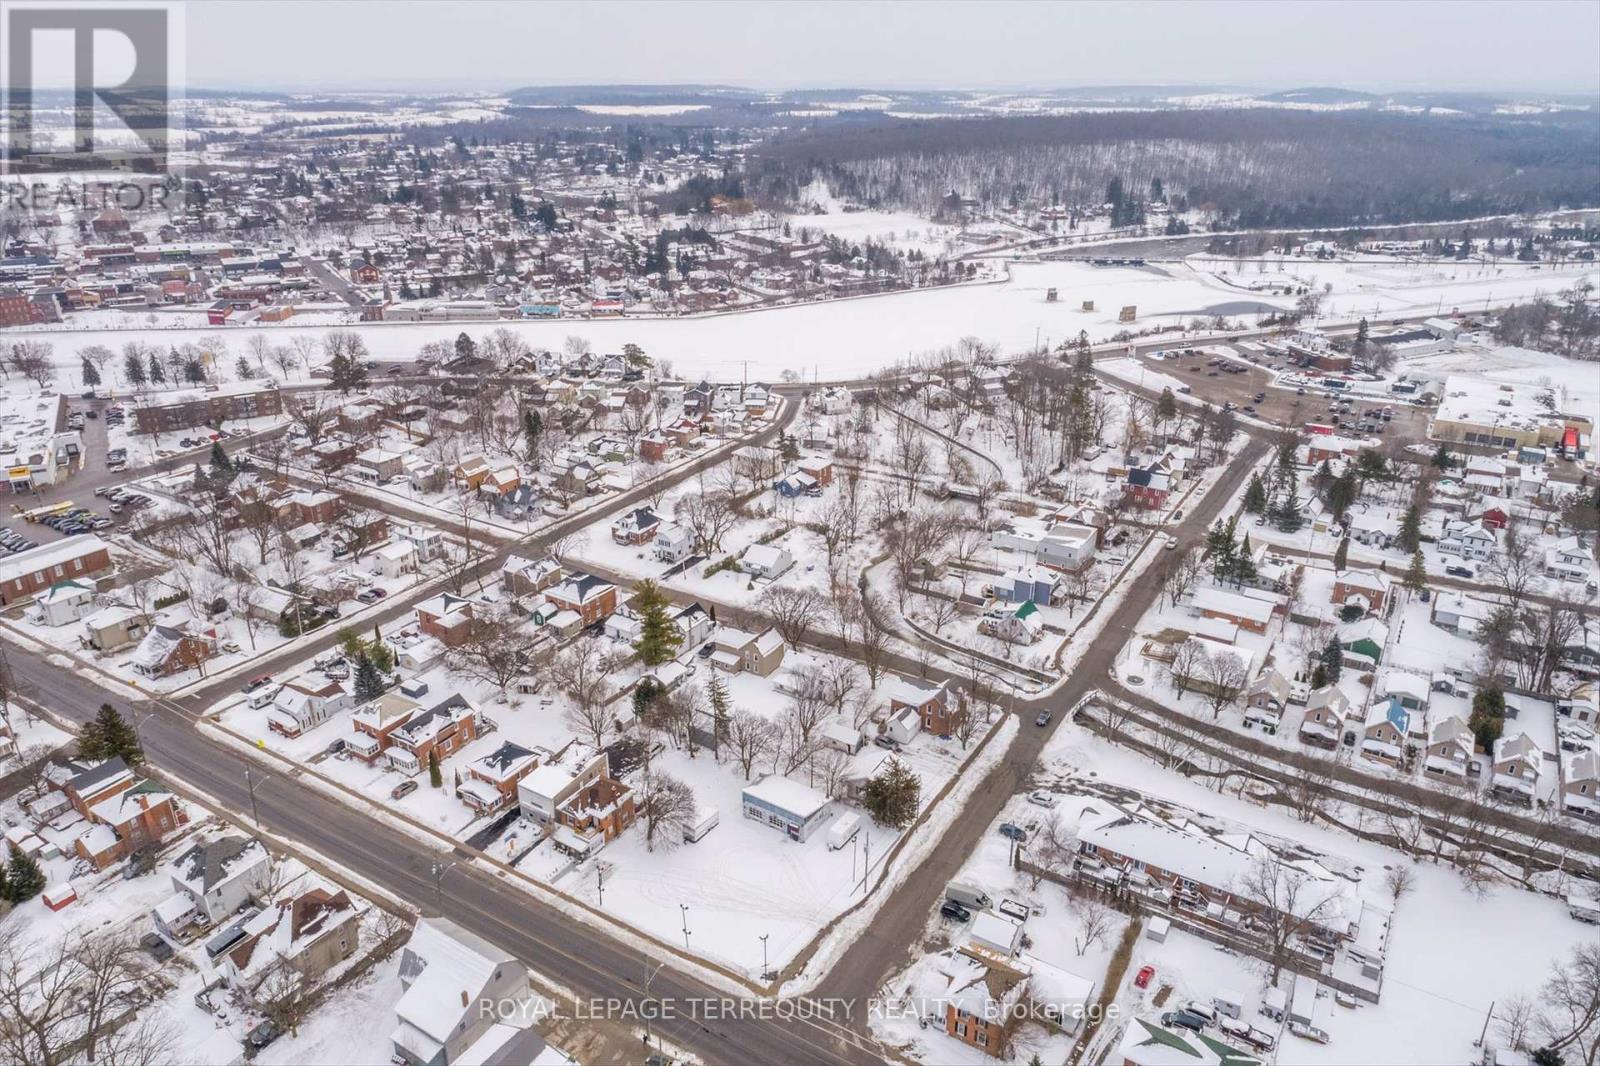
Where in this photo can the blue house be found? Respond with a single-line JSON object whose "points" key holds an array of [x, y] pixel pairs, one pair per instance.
{"points": [[1028, 583]]}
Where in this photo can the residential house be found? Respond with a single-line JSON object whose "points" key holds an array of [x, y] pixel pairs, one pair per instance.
{"points": [[435, 733], [1366, 589], [796, 485], [1569, 560], [305, 935], [137, 816], [520, 576], [1020, 625], [28, 573], [1467, 540], [1450, 745], [1246, 612], [167, 650], [593, 599], [491, 780], [302, 705], [1458, 613], [673, 543], [376, 722], [754, 653], [795, 808], [654, 446], [219, 876], [428, 542], [638, 526], [470, 473], [1327, 710], [1363, 643], [1147, 1043], [396, 559], [114, 628], [575, 796], [1517, 763], [1384, 739], [694, 624], [446, 974], [930, 703], [1146, 489], [817, 468], [1029, 583], [65, 602], [1580, 783], [1265, 701], [766, 561], [446, 618]]}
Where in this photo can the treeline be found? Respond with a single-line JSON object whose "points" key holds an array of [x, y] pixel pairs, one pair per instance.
{"points": [[1247, 169]]}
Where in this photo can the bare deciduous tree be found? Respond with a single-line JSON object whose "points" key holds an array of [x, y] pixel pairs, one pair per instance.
{"points": [[666, 805], [794, 611], [751, 738]]}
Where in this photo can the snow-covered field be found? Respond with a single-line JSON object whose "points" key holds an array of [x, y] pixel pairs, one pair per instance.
{"points": [[848, 338]]}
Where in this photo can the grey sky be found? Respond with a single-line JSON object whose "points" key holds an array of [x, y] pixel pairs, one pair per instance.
{"points": [[1526, 45]]}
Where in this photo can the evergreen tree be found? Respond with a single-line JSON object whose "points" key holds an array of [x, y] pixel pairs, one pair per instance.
{"points": [[893, 796], [1288, 515], [1255, 497], [1244, 563], [1410, 538], [243, 369], [158, 373], [1166, 407], [1332, 660], [1441, 457], [24, 879], [659, 635], [5, 884], [107, 736], [382, 658], [193, 372], [133, 368], [1220, 549], [532, 426], [1488, 718], [466, 347], [1341, 554], [91, 376], [369, 683], [435, 778], [1416, 574], [221, 465], [1342, 494], [721, 709]]}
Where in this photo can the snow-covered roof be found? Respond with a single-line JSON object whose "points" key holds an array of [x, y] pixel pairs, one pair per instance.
{"points": [[778, 791], [443, 961]]}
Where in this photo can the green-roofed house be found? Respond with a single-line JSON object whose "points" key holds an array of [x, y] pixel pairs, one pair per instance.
{"points": [[1146, 1043]]}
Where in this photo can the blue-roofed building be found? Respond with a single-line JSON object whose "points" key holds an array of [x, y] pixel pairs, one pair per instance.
{"points": [[1387, 724]]}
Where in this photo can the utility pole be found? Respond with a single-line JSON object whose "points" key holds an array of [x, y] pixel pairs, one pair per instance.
{"points": [[249, 783], [764, 968], [684, 908], [600, 882]]}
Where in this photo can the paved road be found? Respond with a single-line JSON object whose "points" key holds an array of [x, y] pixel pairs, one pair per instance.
{"points": [[583, 959], [897, 931]]}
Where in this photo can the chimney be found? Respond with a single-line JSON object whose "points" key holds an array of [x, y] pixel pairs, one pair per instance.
{"points": [[464, 997]]}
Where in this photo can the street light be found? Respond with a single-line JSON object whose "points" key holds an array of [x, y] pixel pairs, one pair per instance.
{"points": [[764, 968], [439, 870], [249, 783], [684, 907]]}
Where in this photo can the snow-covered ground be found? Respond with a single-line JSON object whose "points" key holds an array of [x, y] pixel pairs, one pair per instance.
{"points": [[847, 338]]}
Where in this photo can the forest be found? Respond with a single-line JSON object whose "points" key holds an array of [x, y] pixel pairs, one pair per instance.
{"points": [[1244, 169]]}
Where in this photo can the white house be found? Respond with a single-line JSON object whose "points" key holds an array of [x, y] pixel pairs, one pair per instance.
{"points": [[219, 876], [65, 602], [766, 561], [446, 973], [304, 704], [1467, 540], [673, 543], [795, 808], [429, 543], [396, 558], [1567, 560]]}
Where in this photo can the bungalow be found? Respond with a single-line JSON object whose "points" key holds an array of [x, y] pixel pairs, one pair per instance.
{"points": [[766, 561], [491, 780], [753, 653], [1568, 560], [445, 618], [1363, 643], [592, 598], [1366, 589], [673, 543], [1327, 709], [1412, 690], [796, 485], [1449, 751], [795, 808], [168, 650], [1265, 701], [1384, 739], [435, 733], [114, 628], [638, 526], [1458, 613], [1517, 761], [303, 705], [930, 703], [446, 975], [1246, 612]]}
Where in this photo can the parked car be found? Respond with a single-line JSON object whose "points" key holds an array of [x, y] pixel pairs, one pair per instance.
{"points": [[1013, 832], [952, 909], [886, 742], [256, 682], [402, 790], [262, 1035], [372, 595], [1142, 980], [156, 946], [1043, 799], [1182, 1019], [1458, 571], [1043, 719]]}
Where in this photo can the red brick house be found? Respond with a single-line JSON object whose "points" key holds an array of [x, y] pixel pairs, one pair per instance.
{"points": [[364, 273], [439, 731], [653, 447], [491, 781], [594, 599], [930, 703], [376, 722], [124, 814], [1362, 588], [1146, 490], [33, 571], [445, 618]]}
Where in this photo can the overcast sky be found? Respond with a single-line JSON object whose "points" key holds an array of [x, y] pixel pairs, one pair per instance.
{"points": [[1525, 45]]}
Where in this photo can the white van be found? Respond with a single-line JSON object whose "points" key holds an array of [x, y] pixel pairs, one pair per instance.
{"points": [[843, 830], [262, 696], [968, 895]]}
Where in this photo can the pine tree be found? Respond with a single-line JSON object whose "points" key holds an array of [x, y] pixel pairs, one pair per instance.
{"points": [[24, 879], [1221, 548], [91, 376], [107, 736], [532, 426], [1332, 660], [243, 369], [659, 635], [1410, 538], [1288, 515], [1441, 457], [466, 348], [221, 465], [1341, 555], [435, 778], [158, 373], [193, 372], [133, 368], [369, 683], [1488, 718], [721, 709], [1255, 497], [1416, 574], [893, 796]]}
